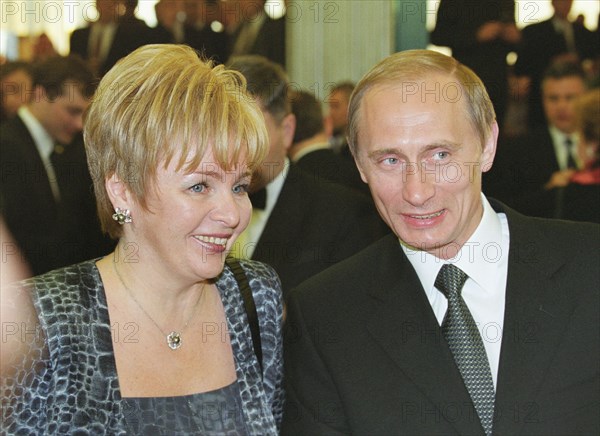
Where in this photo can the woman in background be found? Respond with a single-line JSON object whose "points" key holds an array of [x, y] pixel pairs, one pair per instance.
{"points": [[154, 337]]}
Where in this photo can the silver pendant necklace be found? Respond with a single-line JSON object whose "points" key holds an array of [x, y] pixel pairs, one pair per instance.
{"points": [[174, 339]]}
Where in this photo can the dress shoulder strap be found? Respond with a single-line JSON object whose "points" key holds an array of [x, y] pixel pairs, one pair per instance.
{"points": [[249, 306]]}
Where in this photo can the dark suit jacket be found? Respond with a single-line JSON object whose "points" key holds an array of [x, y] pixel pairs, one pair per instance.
{"points": [[522, 167], [50, 235], [365, 354], [270, 40], [325, 165], [127, 38], [314, 225], [212, 45], [539, 45]]}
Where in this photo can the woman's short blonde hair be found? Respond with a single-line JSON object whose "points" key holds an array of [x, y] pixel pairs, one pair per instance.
{"points": [[162, 102], [407, 69]]}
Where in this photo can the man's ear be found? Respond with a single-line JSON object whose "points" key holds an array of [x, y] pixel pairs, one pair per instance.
{"points": [[288, 124], [489, 149], [117, 192]]}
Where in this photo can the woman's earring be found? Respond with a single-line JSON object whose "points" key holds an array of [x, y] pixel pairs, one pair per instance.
{"points": [[122, 216]]}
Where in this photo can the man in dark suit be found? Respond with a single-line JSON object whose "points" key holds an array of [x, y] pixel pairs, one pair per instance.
{"points": [[200, 15], [105, 41], [472, 318], [303, 225], [311, 150], [258, 33], [480, 33], [45, 187], [524, 166], [337, 103], [549, 41]]}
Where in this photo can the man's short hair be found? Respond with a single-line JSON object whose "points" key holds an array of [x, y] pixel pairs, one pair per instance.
{"points": [[412, 67], [309, 115], [562, 69], [345, 87], [58, 73], [266, 81]]}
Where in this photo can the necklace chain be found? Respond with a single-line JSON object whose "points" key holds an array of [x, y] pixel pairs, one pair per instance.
{"points": [[174, 339]]}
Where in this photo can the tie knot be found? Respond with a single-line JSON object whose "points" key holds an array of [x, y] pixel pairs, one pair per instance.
{"points": [[450, 279]]}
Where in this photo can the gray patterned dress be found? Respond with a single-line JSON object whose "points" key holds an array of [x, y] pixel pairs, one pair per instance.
{"points": [[68, 382]]}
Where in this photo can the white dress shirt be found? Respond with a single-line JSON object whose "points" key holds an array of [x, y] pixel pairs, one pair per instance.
{"points": [[44, 144], [560, 151], [485, 260], [101, 39]]}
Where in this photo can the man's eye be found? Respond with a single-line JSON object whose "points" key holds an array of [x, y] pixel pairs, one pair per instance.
{"points": [[390, 160], [441, 155]]}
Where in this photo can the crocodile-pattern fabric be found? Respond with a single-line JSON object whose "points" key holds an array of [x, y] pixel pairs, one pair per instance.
{"points": [[67, 382], [214, 413]]}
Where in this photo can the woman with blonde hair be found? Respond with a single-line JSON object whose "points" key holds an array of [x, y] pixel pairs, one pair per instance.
{"points": [[162, 335]]}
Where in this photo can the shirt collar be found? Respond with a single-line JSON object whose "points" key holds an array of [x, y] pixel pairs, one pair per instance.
{"points": [[559, 24], [478, 257], [43, 141], [274, 187], [558, 136], [310, 149]]}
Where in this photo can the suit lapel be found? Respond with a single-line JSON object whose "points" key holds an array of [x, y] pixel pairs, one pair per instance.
{"points": [[536, 313], [404, 325], [282, 227], [35, 168]]}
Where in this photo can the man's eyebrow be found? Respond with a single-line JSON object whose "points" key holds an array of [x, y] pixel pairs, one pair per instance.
{"points": [[382, 152], [432, 146]]}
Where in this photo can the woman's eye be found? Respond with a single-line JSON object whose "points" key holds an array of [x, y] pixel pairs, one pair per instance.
{"points": [[198, 187], [240, 189]]}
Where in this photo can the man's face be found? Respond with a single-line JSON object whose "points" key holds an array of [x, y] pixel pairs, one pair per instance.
{"points": [[338, 111], [281, 133], [423, 162], [559, 96], [107, 9], [562, 8], [62, 117]]}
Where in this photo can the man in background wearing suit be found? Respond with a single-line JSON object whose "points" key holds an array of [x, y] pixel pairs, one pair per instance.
{"points": [[310, 148], [105, 41], [337, 103], [472, 318], [258, 33], [299, 225], [45, 186], [554, 40], [524, 165], [480, 33]]}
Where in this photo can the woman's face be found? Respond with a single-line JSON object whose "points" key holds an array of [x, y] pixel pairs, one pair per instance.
{"points": [[192, 219]]}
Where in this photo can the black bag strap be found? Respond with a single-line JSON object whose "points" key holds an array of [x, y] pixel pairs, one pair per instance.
{"points": [[249, 305]]}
